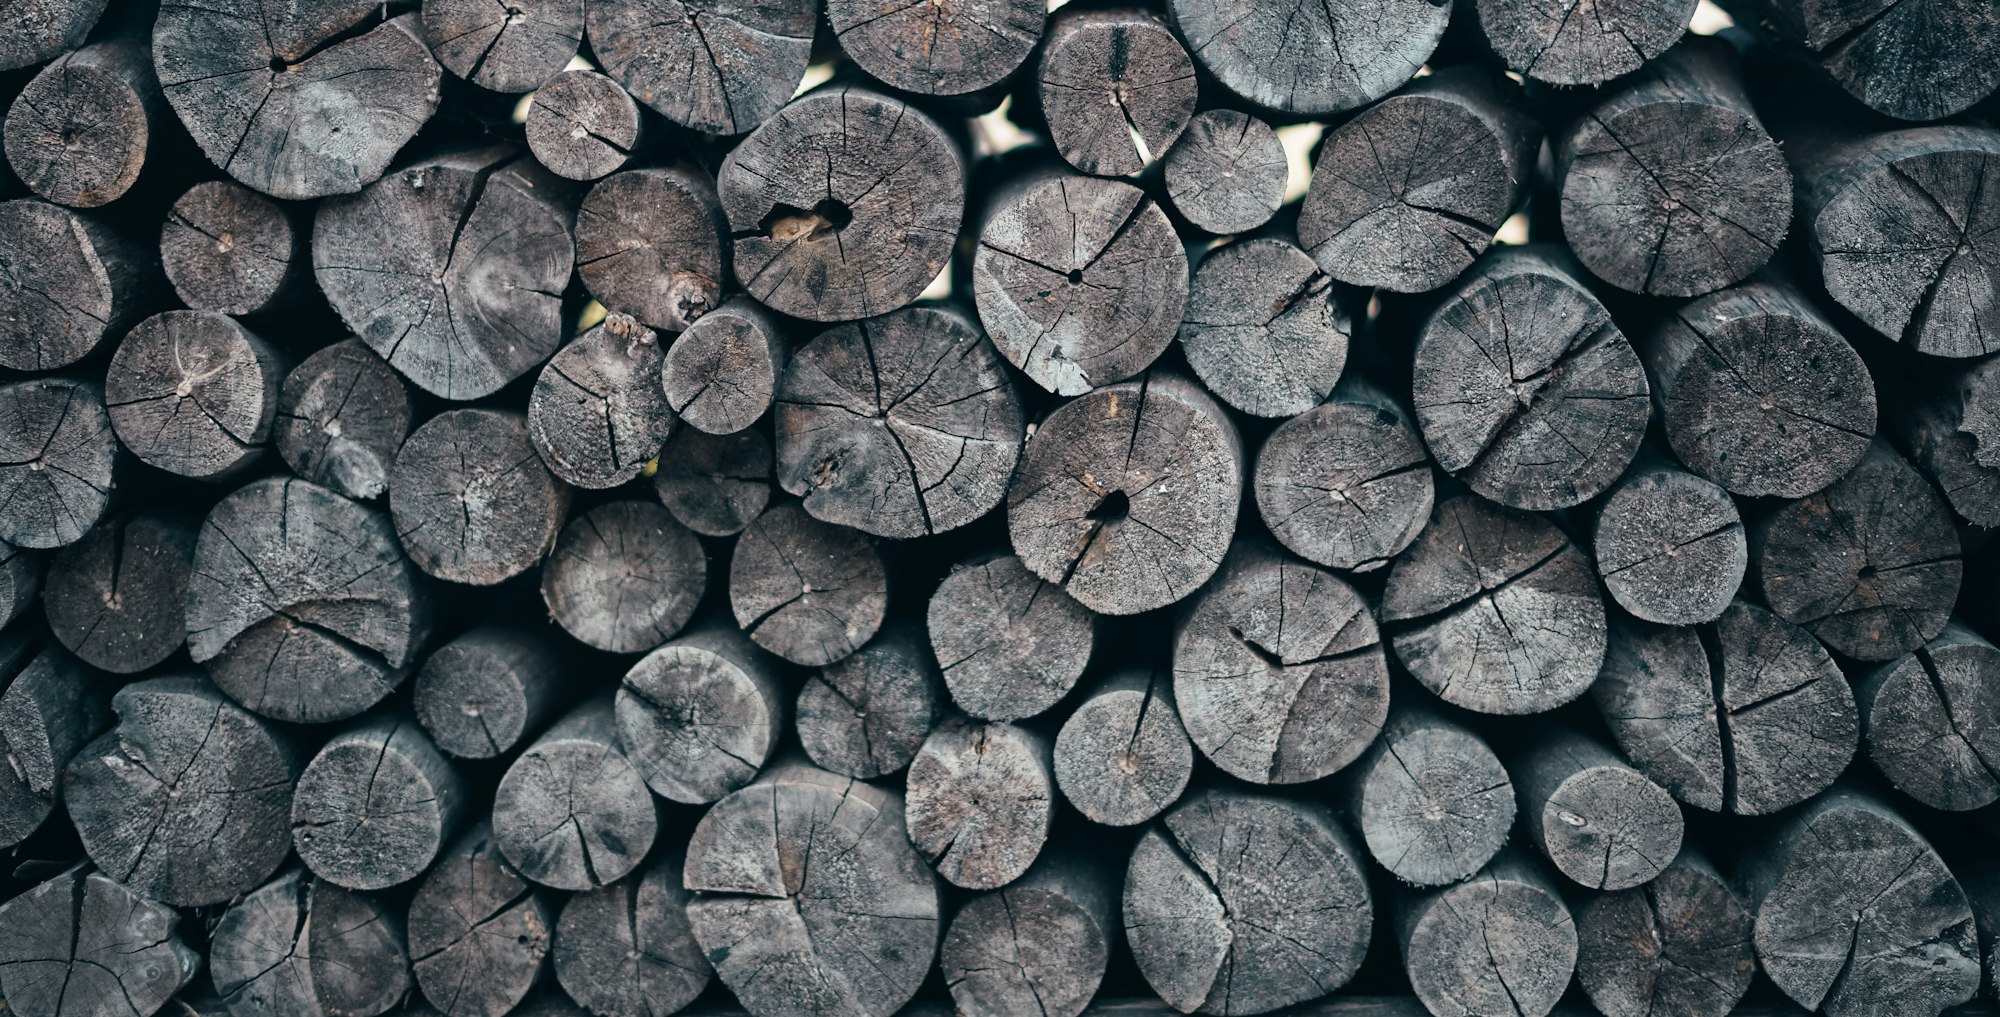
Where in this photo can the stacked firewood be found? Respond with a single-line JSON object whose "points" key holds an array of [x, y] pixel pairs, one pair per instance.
{"points": [[616, 506]]}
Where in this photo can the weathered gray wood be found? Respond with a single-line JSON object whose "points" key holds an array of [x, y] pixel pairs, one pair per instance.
{"points": [[20, 580], [81, 944], [1978, 873], [624, 577], [1080, 281], [649, 243], [478, 931], [484, 692], [1669, 545], [1870, 565], [572, 811], [1409, 193], [1857, 915], [342, 417], [301, 604], [1123, 757], [948, 48], [1544, 40], [195, 394], [68, 281], [1227, 172], [981, 801], [845, 204], [227, 248], [1264, 328], [1241, 903], [1126, 55], [79, 132], [1311, 59], [53, 706], [304, 947], [1499, 942], [715, 484], [583, 125], [465, 295], [901, 425], [808, 591], [1932, 720], [867, 715], [377, 804], [717, 70], [1010, 645], [1126, 497], [57, 461], [510, 47], [1495, 610], [297, 103], [1524, 387], [38, 30], [118, 597], [1037, 945], [699, 716], [1952, 433], [1680, 944], [626, 950], [1923, 63], [1347, 483], [473, 503], [188, 799], [597, 415], [1432, 800], [722, 373], [1601, 822]]}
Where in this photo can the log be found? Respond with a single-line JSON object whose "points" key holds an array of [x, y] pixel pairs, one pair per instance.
{"points": [[1870, 566], [511, 47], [649, 243], [1541, 39], [1123, 757], [1037, 945], [1559, 422], [20, 581], [1409, 193], [981, 801], [227, 248], [1526, 942], [1603, 824], [1952, 433], [377, 804], [1337, 58], [1129, 56], [1097, 309], [71, 279], [1242, 903], [195, 394], [1670, 186], [1669, 545], [596, 415], [301, 604], [81, 943], [53, 706], [572, 812], [1760, 393], [187, 800], [866, 716], [57, 461], [835, 223], [583, 125], [948, 50], [626, 950], [1932, 720], [722, 373], [297, 104], [1122, 517], [1495, 610], [842, 587], [473, 503], [481, 694], [1347, 483], [1925, 63], [478, 931], [715, 70], [1433, 802], [699, 716], [1680, 944], [304, 947], [809, 898], [1009, 644], [715, 484], [40, 30], [78, 133], [624, 577], [342, 417], [483, 232], [1272, 703], [1857, 915], [1227, 172], [118, 597], [1264, 329], [1746, 715]]}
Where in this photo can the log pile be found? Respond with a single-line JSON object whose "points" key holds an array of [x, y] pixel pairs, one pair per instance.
{"points": [[1388, 508]]}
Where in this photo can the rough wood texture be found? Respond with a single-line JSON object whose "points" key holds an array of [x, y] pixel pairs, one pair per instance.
{"points": [[53, 706], [301, 604], [1264, 328], [78, 134], [1240, 903], [510, 47], [1760, 393], [867, 715], [473, 502], [597, 415], [810, 899], [468, 295], [1347, 483], [583, 125], [1525, 388], [481, 694], [20, 581], [1080, 281], [624, 577], [1123, 757], [942, 48], [1680, 944], [57, 459], [118, 597], [342, 417], [1952, 433], [1669, 185], [626, 950], [722, 373], [902, 425], [1309, 59], [302, 947], [38, 30], [1227, 172], [1129, 56], [188, 799], [1669, 545], [478, 931], [981, 801], [715, 484], [68, 280], [1010, 645], [718, 70], [1409, 193], [1037, 945], [1870, 565], [1581, 44], [194, 393], [649, 243], [1126, 498], [227, 248], [1932, 719], [1499, 942], [1601, 822], [1495, 610], [699, 716], [1920, 63], [1432, 800], [294, 102], [832, 223], [81, 943], [572, 811], [808, 591], [377, 804]]}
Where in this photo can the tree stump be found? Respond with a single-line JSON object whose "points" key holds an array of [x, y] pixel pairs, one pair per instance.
{"points": [[624, 577], [699, 716], [78, 133], [1932, 719], [1924, 63], [715, 70], [41, 30], [572, 811], [194, 393], [1227, 172], [68, 280], [1680, 944], [57, 459], [53, 706], [1501, 941], [1952, 433], [81, 943], [583, 125], [1347, 483], [1603, 824], [227, 248], [1541, 39], [953, 48], [342, 417], [302, 947], [1037, 945], [723, 372], [479, 695], [649, 243], [1010, 645], [1312, 60], [1264, 329], [1669, 545], [626, 950], [1129, 56], [511, 47], [377, 804], [597, 415], [867, 715], [808, 591], [118, 597], [473, 502], [981, 801], [715, 484], [478, 931], [1432, 800], [1123, 757]]}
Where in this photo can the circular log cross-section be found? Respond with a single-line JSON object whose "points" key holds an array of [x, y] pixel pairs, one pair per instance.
{"points": [[1312, 59], [301, 604], [1680, 945], [1924, 62], [1669, 545], [42, 30], [1240, 903], [717, 69], [1010, 645], [808, 591], [342, 418], [981, 799], [1126, 498], [376, 805], [626, 950], [78, 133], [194, 393], [945, 47], [227, 248], [82, 943], [583, 125], [479, 695], [597, 415], [1500, 942], [1603, 824], [1524, 387], [478, 931], [1542, 40], [1347, 483], [297, 103], [715, 484], [624, 577], [302, 947], [1037, 945], [118, 597], [1433, 802], [1953, 434], [867, 715], [1123, 757], [1932, 719], [506, 47], [1263, 329], [572, 811], [57, 459], [649, 243], [68, 280], [1227, 173], [845, 204], [53, 706], [473, 503], [722, 373], [1495, 610], [1279, 672], [1130, 57], [1080, 281], [700, 716]]}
